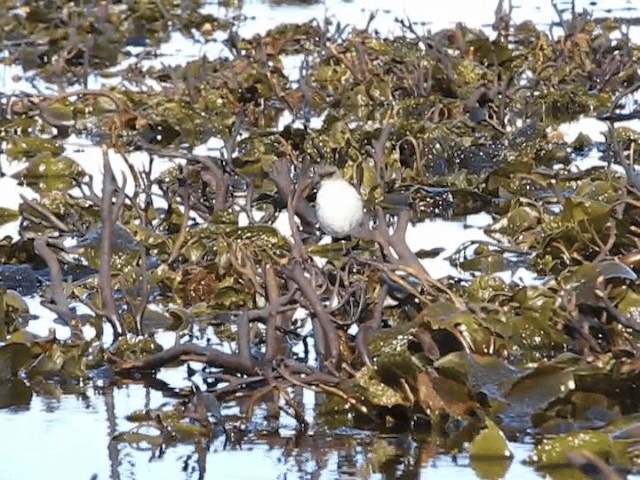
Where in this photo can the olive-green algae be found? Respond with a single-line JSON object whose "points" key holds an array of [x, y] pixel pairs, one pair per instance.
{"points": [[451, 105]]}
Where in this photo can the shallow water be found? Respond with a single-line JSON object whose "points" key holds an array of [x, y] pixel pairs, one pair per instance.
{"points": [[67, 433], [69, 437]]}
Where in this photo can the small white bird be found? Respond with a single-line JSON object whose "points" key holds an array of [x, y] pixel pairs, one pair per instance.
{"points": [[339, 206]]}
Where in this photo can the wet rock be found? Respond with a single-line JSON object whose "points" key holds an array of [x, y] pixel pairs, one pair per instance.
{"points": [[21, 278]]}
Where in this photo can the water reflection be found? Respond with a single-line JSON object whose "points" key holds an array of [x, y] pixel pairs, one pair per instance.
{"points": [[68, 430], [91, 417]]}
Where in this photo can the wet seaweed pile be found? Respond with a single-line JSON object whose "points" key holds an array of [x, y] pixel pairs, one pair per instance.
{"points": [[442, 124]]}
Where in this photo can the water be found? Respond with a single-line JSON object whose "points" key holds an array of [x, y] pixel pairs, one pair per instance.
{"points": [[69, 437], [66, 433]]}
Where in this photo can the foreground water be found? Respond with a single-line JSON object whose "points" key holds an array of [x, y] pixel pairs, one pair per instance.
{"points": [[66, 432]]}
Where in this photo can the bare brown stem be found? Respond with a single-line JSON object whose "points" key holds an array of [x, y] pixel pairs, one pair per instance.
{"points": [[60, 303], [106, 249], [326, 335]]}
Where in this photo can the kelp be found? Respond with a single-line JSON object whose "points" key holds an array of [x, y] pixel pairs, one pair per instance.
{"points": [[426, 125]]}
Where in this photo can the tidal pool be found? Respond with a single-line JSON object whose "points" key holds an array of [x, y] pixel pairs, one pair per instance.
{"points": [[67, 431]]}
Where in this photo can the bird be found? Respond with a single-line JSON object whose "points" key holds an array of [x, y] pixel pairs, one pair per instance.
{"points": [[339, 206]]}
